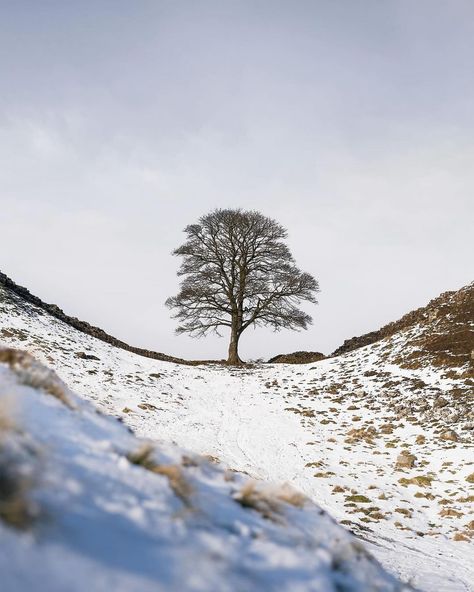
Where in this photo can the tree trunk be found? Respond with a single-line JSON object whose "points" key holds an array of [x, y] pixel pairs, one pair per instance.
{"points": [[234, 347]]}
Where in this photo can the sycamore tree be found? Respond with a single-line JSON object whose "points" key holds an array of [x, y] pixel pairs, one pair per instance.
{"points": [[238, 272]]}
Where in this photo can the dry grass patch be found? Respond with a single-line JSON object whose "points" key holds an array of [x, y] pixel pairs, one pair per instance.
{"points": [[143, 457], [305, 411], [468, 499], [6, 421], [358, 498], [315, 464], [16, 509], [404, 511], [18, 476], [428, 496], [450, 513], [420, 480], [31, 373], [361, 434], [460, 536], [269, 502], [147, 407]]}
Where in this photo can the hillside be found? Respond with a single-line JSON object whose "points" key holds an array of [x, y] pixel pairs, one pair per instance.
{"points": [[84, 505], [440, 333], [23, 296], [381, 437]]}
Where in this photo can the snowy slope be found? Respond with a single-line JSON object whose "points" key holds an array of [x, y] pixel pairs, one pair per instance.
{"points": [[85, 506], [334, 429]]}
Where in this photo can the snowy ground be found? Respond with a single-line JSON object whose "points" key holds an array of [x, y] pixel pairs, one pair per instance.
{"points": [[84, 505], [332, 429]]}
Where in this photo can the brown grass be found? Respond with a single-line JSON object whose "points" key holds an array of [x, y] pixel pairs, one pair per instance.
{"points": [[6, 421], [269, 502], [16, 508], [420, 480], [174, 473], [31, 373]]}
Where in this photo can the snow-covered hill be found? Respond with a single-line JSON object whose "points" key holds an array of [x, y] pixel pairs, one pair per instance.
{"points": [[380, 437], [84, 505]]}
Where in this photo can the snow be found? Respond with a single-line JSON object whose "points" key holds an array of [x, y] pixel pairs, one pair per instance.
{"points": [[278, 424], [101, 522]]}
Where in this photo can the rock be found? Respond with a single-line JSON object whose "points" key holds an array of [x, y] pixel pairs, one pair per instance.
{"points": [[440, 402], [449, 436], [405, 460], [83, 356], [470, 478]]}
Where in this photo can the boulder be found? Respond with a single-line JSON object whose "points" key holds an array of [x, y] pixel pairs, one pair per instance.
{"points": [[405, 460], [449, 436], [440, 402]]}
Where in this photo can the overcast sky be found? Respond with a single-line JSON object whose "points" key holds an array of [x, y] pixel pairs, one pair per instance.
{"points": [[349, 121]]}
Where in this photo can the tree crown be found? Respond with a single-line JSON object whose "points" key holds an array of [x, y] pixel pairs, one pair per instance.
{"points": [[238, 272]]}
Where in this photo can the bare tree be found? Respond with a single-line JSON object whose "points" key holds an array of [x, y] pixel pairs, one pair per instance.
{"points": [[238, 272]]}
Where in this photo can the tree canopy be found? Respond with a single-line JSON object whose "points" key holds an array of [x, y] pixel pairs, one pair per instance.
{"points": [[238, 271]]}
